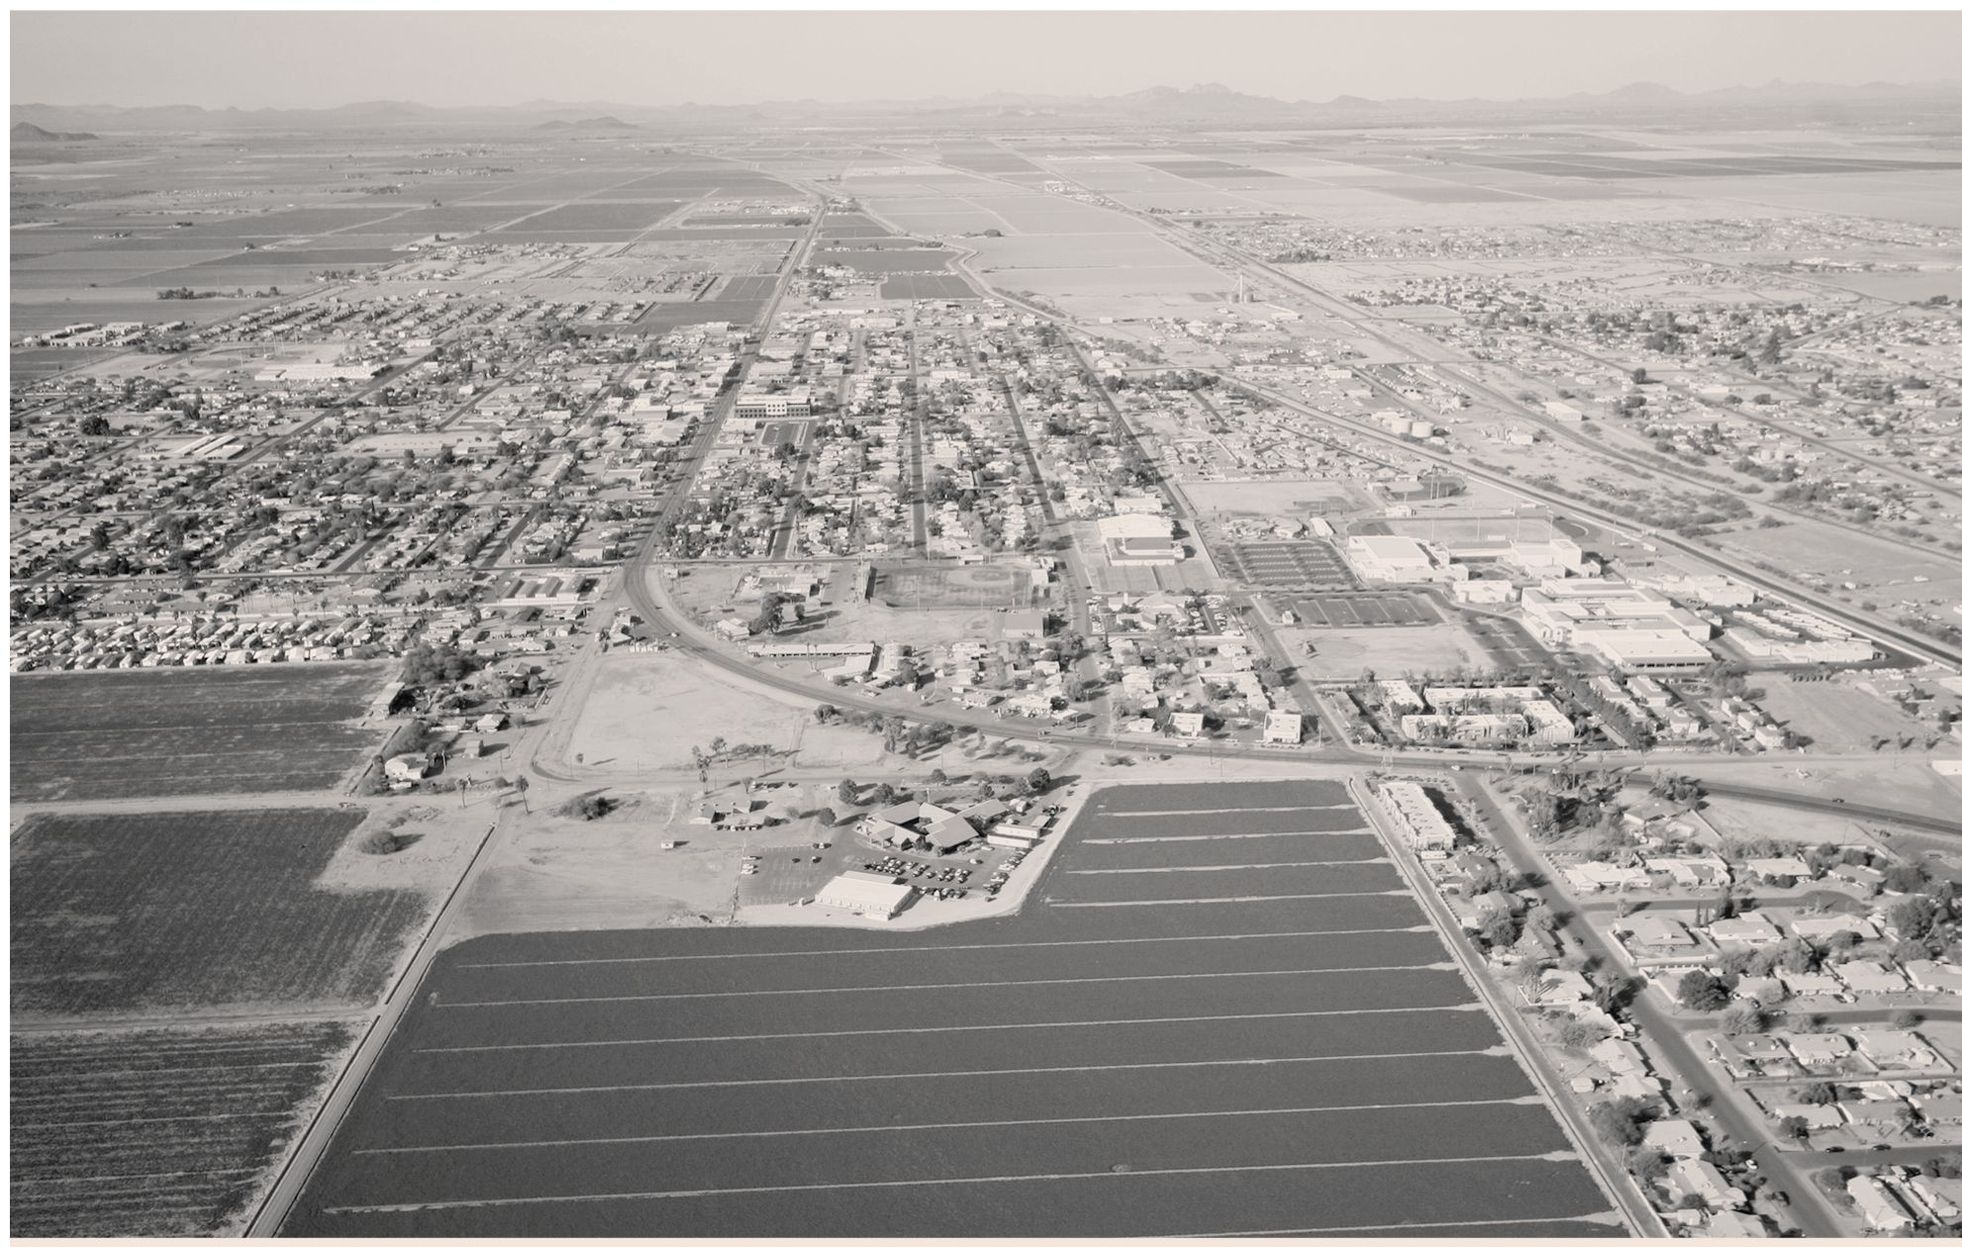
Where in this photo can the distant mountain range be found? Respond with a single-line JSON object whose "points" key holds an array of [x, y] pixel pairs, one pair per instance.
{"points": [[28, 132], [1206, 104], [588, 123]]}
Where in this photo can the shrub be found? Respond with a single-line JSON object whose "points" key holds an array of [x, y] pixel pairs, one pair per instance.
{"points": [[380, 842]]}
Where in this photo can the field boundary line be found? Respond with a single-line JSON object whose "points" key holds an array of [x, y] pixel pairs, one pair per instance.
{"points": [[1462, 1007], [1225, 900], [278, 1196], [972, 1180], [623, 1140], [850, 952], [1230, 835], [1181, 870], [1363, 1230], [916, 987], [952, 1073]]}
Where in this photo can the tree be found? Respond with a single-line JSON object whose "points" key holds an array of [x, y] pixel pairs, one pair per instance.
{"points": [[523, 786], [1649, 1166], [1817, 1093], [1913, 918], [1499, 929], [1702, 993], [1745, 1018], [380, 842], [1794, 1128], [881, 794], [1619, 1120], [848, 791], [1038, 780], [825, 817]]}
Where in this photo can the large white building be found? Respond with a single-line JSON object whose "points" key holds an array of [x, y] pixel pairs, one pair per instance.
{"points": [[1633, 628], [1398, 560], [1138, 538]]}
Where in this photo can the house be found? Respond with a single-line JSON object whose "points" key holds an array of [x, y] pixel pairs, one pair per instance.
{"points": [[1934, 976], [732, 630], [1656, 942], [1774, 868], [1283, 727], [1188, 723], [1881, 1208], [1751, 930], [1870, 977], [1899, 1050], [1730, 1223], [864, 893], [1674, 1137], [1822, 928], [1589, 877], [1023, 625], [408, 767], [1809, 984], [492, 722], [1700, 1177], [1817, 1051]]}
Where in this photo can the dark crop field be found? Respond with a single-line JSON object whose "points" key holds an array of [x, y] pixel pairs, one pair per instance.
{"points": [[927, 286], [1201, 1053], [155, 1132], [177, 731], [124, 913]]}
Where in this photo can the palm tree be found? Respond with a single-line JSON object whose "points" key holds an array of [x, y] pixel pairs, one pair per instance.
{"points": [[524, 792]]}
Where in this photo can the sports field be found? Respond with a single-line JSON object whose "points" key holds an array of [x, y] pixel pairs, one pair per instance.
{"points": [[172, 731], [1211, 1021]]}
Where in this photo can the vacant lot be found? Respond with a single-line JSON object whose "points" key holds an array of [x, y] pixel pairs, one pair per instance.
{"points": [[156, 1132], [945, 588], [168, 732], [1152, 1049], [126, 913]]}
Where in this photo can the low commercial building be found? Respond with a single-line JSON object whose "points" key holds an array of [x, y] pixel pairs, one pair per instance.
{"points": [[864, 893], [1283, 727], [1414, 815]]}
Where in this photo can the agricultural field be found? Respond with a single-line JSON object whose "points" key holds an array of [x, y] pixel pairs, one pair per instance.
{"points": [[1281, 1046], [114, 914], [201, 1119], [179, 731]]}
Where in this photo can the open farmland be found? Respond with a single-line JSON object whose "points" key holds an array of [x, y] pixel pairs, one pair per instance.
{"points": [[201, 1117], [122, 913], [1212, 1021], [171, 732]]}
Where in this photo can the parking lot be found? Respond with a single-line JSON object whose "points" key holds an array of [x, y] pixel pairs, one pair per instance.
{"points": [[1357, 610], [1285, 565], [1221, 1013]]}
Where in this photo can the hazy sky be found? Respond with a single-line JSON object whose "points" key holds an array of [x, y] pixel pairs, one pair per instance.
{"points": [[256, 60]]}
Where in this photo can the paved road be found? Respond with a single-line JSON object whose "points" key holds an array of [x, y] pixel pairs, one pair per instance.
{"points": [[312, 1145]]}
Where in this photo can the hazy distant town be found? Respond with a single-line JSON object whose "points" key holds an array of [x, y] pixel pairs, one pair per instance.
{"points": [[1162, 663]]}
